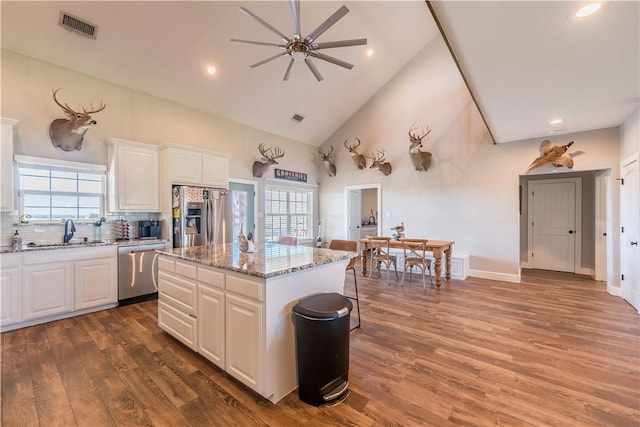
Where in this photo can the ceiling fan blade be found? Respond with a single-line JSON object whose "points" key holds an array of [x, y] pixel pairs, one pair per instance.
{"points": [[264, 61], [331, 59], [340, 43], [337, 15], [313, 69], [289, 68], [294, 5], [264, 23], [259, 43]]}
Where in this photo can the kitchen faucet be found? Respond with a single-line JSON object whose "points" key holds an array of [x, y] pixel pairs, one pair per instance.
{"points": [[69, 235]]}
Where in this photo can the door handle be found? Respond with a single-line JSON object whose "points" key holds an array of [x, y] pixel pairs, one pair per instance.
{"points": [[634, 243], [570, 231]]}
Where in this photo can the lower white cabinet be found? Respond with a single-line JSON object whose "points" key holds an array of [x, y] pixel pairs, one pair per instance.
{"points": [[44, 285], [48, 289], [179, 324], [244, 320], [211, 321], [94, 280], [10, 289]]}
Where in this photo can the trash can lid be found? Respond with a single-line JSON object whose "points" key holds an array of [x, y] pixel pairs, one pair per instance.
{"points": [[323, 306]]}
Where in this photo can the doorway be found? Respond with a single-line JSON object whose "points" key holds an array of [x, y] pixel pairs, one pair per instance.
{"points": [[241, 208], [363, 203]]}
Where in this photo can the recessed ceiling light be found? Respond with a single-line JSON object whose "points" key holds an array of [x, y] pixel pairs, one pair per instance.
{"points": [[370, 52], [211, 70], [555, 121], [588, 9]]}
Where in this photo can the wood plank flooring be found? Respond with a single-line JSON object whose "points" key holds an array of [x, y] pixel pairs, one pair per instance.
{"points": [[556, 350]]}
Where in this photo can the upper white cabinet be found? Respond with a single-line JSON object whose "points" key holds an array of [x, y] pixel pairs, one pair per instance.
{"points": [[192, 166], [133, 177], [6, 166]]}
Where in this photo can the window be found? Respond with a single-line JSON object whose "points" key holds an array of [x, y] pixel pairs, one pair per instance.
{"points": [[288, 212], [50, 192]]}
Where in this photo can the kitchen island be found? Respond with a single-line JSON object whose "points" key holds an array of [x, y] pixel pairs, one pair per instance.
{"points": [[235, 308]]}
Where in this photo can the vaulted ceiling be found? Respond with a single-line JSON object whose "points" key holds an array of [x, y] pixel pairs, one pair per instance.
{"points": [[526, 62]]}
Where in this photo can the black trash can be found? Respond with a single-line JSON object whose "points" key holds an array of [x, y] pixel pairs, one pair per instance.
{"points": [[322, 344]]}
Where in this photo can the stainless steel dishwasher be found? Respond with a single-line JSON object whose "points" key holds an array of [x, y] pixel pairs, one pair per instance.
{"points": [[138, 272]]}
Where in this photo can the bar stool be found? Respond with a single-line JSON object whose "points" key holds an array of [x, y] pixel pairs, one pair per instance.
{"points": [[352, 246]]}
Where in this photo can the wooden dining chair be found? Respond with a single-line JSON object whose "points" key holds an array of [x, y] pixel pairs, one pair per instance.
{"points": [[352, 246], [288, 240], [415, 255], [380, 254]]}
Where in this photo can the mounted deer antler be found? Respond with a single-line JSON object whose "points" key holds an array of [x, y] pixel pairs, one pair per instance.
{"points": [[421, 159], [67, 134], [269, 157], [379, 162], [326, 161], [358, 159]]}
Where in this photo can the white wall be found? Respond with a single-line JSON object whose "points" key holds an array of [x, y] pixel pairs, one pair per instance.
{"points": [[26, 96], [630, 135], [470, 193]]}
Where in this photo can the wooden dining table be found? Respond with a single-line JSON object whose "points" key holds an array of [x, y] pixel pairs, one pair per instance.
{"points": [[437, 247]]}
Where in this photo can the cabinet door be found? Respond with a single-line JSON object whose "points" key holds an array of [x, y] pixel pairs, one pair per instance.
{"points": [[243, 345], [185, 166], [215, 171], [95, 283], [211, 331], [178, 291], [138, 179], [6, 166], [48, 289], [10, 295]]}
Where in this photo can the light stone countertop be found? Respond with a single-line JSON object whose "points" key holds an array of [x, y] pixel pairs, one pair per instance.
{"points": [[90, 244], [269, 260]]}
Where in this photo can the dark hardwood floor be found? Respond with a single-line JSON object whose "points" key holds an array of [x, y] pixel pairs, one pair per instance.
{"points": [[556, 350]]}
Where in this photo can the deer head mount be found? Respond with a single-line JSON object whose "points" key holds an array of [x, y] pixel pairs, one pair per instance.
{"points": [[421, 159], [67, 134], [378, 162], [358, 158], [269, 156], [326, 161]]}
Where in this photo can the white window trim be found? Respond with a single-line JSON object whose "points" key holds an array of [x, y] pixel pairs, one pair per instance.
{"points": [[293, 185]]}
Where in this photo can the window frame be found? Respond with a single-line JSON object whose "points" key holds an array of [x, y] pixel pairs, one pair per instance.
{"points": [[51, 166], [311, 215]]}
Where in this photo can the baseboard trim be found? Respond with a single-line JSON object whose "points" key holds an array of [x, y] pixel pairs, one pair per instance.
{"points": [[613, 290], [492, 275]]}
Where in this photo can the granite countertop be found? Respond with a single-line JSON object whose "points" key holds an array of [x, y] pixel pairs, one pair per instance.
{"points": [[269, 260], [51, 246]]}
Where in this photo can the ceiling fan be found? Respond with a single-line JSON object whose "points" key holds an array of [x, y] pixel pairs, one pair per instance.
{"points": [[300, 49]]}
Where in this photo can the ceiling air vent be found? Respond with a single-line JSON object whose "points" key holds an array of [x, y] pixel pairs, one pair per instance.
{"points": [[298, 117], [77, 25]]}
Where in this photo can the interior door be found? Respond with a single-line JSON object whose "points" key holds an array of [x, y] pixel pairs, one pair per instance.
{"points": [[241, 201], [355, 212], [630, 232], [553, 224]]}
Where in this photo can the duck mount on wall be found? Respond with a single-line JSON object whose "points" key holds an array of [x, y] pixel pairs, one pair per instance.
{"points": [[67, 134]]}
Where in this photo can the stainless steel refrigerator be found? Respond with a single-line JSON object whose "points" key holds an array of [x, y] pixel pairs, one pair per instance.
{"points": [[199, 216]]}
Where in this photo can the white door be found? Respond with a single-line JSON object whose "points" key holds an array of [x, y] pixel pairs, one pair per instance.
{"points": [[630, 232], [553, 228], [355, 213], [603, 224]]}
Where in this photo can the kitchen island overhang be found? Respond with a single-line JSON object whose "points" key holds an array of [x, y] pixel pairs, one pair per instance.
{"points": [[236, 308]]}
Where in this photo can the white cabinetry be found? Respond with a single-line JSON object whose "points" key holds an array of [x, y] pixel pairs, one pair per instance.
{"points": [[10, 289], [211, 320], [94, 279], [43, 285], [48, 289], [133, 176], [177, 293], [6, 165], [192, 166]]}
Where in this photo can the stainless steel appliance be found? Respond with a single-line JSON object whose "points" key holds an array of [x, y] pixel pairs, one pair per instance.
{"points": [[138, 272], [199, 216]]}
